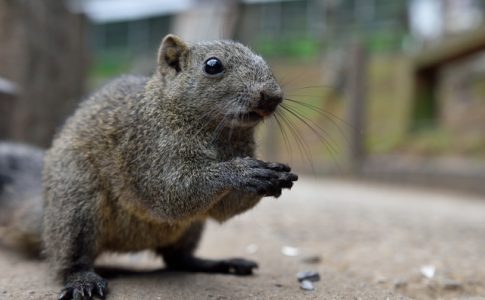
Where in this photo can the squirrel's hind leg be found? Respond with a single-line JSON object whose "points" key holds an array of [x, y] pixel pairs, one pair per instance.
{"points": [[180, 257]]}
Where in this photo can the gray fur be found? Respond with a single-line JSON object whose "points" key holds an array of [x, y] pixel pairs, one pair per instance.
{"points": [[145, 159], [21, 196]]}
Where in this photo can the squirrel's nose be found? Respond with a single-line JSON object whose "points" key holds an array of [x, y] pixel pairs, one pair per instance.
{"points": [[268, 102]]}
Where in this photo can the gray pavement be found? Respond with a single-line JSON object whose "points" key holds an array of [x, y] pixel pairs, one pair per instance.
{"points": [[368, 241]]}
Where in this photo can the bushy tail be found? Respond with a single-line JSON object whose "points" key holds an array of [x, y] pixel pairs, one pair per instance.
{"points": [[5, 182], [21, 196]]}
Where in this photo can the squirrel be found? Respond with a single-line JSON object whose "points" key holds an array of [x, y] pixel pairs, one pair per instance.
{"points": [[145, 161]]}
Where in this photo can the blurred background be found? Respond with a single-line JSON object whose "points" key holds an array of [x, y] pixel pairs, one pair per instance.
{"points": [[389, 90]]}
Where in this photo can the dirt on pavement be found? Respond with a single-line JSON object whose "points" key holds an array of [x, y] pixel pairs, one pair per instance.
{"points": [[368, 241]]}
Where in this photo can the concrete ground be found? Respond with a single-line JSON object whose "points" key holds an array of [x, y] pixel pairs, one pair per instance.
{"points": [[368, 241]]}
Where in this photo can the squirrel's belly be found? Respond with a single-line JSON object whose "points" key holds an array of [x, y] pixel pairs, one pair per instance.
{"points": [[133, 235], [122, 230]]}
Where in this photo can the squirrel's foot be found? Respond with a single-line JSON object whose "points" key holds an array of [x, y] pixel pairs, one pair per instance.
{"points": [[84, 286], [264, 178], [235, 266]]}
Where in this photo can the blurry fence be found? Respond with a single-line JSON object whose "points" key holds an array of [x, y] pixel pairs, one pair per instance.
{"points": [[43, 53]]}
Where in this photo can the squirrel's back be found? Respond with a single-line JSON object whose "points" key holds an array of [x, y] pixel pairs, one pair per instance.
{"points": [[106, 109]]}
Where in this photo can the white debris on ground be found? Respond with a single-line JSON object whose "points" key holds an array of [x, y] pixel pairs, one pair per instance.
{"points": [[252, 248], [428, 271], [290, 251]]}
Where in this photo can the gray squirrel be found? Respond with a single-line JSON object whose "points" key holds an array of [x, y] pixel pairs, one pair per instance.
{"points": [[144, 162]]}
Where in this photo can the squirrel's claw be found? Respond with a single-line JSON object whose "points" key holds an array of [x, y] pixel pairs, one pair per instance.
{"points": [[240, 266], [264, 178], [65, 294], [102, 286], [84, 288]]}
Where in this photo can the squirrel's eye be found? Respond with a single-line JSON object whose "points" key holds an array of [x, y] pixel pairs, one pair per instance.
{"points": [[213, 66]]}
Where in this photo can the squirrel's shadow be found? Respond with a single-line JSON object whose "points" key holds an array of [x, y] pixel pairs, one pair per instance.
{"points": [[117, 272], [113, 272], [127, 283]]}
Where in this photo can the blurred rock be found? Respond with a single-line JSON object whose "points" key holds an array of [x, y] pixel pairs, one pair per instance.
{"points": [[399, 283], [313, 259], [308, 276], [307, 285], [450, 284]]}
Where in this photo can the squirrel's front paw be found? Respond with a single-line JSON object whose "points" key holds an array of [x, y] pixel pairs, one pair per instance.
{"points": [[84, 285], [264, 178]]}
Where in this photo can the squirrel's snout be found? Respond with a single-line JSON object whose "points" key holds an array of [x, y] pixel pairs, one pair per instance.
{"points": [[267, 103]]}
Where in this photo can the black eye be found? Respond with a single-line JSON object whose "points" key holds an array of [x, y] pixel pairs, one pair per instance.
{"points": [[213, 66]]}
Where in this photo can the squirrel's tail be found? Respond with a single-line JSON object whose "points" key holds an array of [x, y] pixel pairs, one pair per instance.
{"points": [[5, 180], [21, 197]]}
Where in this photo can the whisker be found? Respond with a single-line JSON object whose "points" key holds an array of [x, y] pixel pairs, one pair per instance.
{"points": [[309, 123], [328, 87], [283, 133], [302, 147], [315, 124], [321, 111], [219, 128], [330, 116], [308, 96], [211, 112], [214, 111], [326, 141]]}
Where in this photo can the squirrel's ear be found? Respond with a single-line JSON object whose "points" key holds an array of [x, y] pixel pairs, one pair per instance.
{"points": [[171, 52]]}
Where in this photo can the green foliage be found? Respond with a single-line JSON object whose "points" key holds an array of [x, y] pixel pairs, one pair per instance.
{"points": [[107, 65], [385, 41], [110, 64]]}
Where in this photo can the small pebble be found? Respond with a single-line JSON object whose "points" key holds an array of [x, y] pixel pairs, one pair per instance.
{"points": [[380, 279], [290, 251], [307, 285], [308, 276], [450, 284], [400, 284], [314, 259]]}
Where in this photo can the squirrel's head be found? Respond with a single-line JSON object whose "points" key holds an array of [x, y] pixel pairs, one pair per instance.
{"points": [[222, 81]]}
